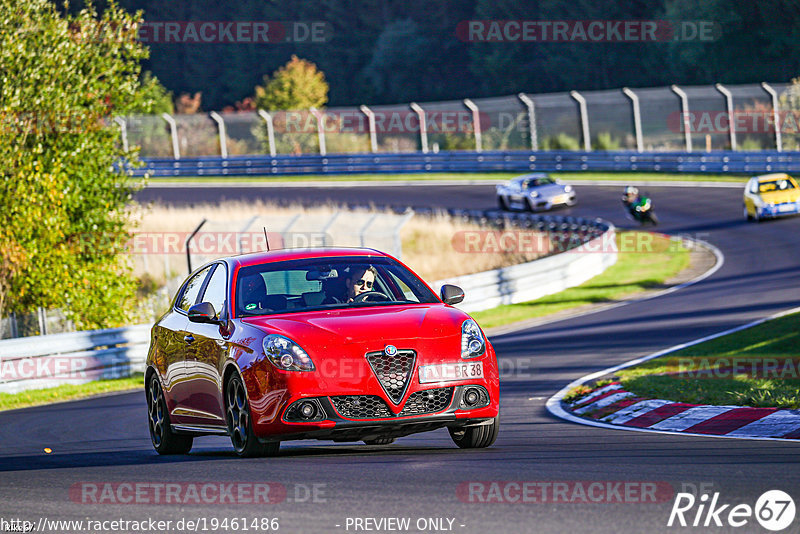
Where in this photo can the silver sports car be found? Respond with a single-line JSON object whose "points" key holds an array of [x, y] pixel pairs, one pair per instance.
{"points": [[534, 192]]}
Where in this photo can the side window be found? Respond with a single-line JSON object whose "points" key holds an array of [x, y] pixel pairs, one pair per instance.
{"points": [[191, 290], [216, 290]]}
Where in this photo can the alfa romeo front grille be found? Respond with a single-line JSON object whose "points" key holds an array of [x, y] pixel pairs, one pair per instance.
{"points": [[428, 401], [374, 407], [393, 372]]}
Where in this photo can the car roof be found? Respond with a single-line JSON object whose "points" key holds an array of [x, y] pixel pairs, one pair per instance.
{"points": [[530, 176], [289, 254], [773, 176]]}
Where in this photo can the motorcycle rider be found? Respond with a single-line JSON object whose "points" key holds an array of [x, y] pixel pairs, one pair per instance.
{"points": [[635, 203], [639, 207]]}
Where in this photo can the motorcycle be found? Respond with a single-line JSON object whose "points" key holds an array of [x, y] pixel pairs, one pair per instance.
{"points": [[641, 210]]}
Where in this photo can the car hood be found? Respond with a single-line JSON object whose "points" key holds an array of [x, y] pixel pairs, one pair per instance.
{"points": [[547, 191], [360, 330], [779, 197]]}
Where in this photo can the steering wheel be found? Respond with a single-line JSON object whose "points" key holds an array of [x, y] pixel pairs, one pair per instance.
{"points": [[377, 296]]}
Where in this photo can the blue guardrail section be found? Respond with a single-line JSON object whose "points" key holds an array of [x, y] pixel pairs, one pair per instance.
{"points": [[720, 162]]}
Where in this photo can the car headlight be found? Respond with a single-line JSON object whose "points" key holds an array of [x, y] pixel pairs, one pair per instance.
{"points": [[568, 189], [472, 342], [757, 202], [533, 194], [286, 354]]}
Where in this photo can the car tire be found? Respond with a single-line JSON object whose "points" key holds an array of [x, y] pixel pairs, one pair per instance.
{"points": [[476, 437], [502, 203], [240, 423], [379, 441], [164, 440], [747, 215]]}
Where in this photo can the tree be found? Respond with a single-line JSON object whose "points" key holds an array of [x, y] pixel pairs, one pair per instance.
{"points": [[296, 85], [64, 209]]}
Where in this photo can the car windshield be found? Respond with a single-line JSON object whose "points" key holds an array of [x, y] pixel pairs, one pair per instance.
{"points": [[530, 183], [775, 185], [323, 283]]}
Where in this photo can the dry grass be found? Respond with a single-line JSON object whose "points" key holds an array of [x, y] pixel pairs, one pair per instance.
{"points": [[429, 243]]}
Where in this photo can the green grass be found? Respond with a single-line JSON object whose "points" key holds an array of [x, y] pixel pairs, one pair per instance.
{"points": [[645, 261], [757, 367], [635, 177], [35, 397]]}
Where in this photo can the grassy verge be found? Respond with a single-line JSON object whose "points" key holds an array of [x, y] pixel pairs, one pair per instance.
{"points": [[645, 261], [492, 176], [35, 397], [757, 367]]}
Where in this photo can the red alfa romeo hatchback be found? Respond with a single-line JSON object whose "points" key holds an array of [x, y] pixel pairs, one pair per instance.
{"points": [[329, 344]]}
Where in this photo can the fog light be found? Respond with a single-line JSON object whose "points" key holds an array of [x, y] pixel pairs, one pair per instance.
{"points": [[308, 410], [471, 397]]}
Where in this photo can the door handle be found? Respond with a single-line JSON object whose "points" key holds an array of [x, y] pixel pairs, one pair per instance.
{"points": [[188, 338]]}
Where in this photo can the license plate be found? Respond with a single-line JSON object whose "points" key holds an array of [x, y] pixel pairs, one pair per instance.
{"points": [[787, 207], [559, 199], [450, 372]]}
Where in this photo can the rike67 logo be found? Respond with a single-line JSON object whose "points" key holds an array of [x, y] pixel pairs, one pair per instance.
{"points": [[774, 510]]}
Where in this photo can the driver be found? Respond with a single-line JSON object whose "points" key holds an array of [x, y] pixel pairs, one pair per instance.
{"points": [[360, 280], [630, 195]]}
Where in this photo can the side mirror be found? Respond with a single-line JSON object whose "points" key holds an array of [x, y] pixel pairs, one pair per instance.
{"points": [[451, 294], [203, 313]]}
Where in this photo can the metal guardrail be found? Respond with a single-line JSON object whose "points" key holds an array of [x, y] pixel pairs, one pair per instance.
{"points": [[463, 161], [72, 358], [538, 278]]}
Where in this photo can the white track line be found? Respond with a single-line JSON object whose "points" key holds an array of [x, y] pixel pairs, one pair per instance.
{"points": [[554, 403]]}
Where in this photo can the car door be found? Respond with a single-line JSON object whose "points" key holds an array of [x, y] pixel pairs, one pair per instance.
{"points": [[205, 355], [179, 339]]}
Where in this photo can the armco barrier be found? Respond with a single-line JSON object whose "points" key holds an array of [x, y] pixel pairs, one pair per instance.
{"points": [[72, 358], [79, 357], [467, 161], [536, 279]]}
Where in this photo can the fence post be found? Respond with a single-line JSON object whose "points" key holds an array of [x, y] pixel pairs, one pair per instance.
{"points": [[584, 116], [364, 229], [123, 129], [270, 131], [637, 118], [173, 128], [40, 315], [398, 243], [250, 221], [188, 242], [320, 129], [223, 137], [326, 227], [775, 115], [373, 135], [14, 326], [476, 123], [729, 104], [687, 126], [531, 120], [423, 128]]}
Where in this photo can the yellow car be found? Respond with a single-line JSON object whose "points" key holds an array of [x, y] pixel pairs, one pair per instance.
{"points": [[770, 196]]}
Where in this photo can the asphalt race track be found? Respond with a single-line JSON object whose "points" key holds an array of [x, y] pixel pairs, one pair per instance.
{"points": [[105, 440]]}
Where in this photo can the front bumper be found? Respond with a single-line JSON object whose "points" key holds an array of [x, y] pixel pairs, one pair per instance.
{"points": [[331, 424], [772, 211]]}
